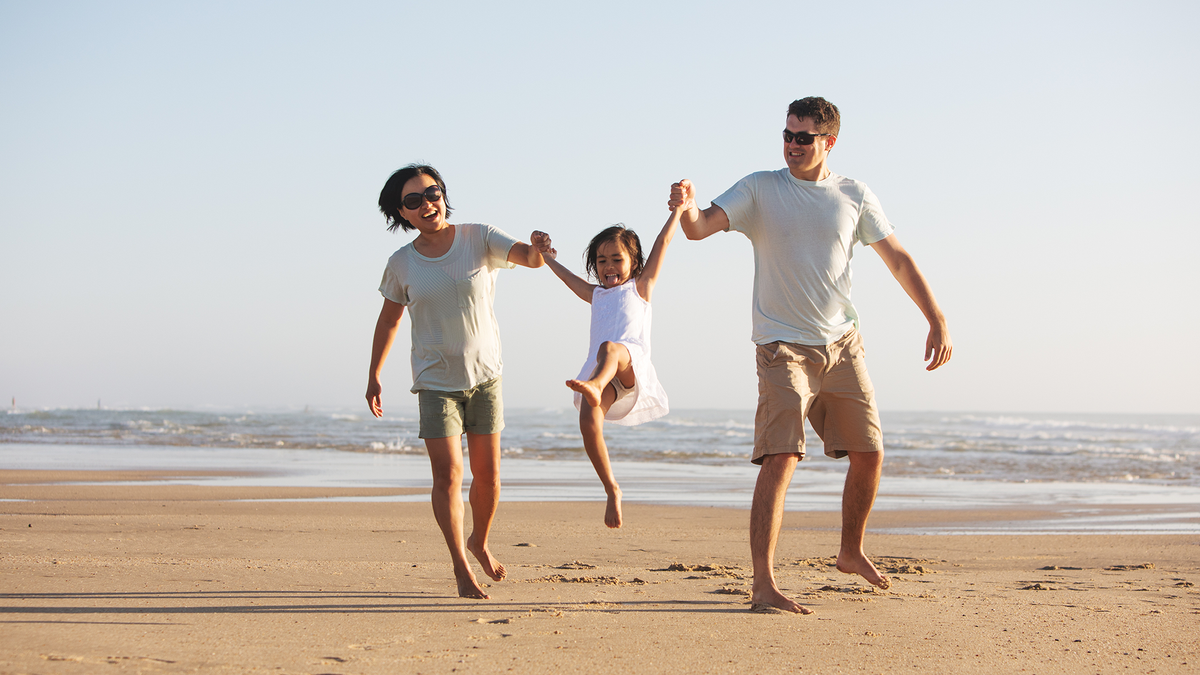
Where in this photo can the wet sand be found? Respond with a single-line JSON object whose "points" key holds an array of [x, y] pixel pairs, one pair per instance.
{"points": [[236, 579]]}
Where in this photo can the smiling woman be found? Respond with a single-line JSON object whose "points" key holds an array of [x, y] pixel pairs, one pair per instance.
{"points": [[447, 278]]}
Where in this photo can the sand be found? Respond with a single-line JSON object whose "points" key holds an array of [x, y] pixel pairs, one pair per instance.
{"points": [[165, 579]]}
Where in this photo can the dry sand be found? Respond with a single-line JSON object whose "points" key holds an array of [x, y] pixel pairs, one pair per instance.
{"points": [[165, 579]]}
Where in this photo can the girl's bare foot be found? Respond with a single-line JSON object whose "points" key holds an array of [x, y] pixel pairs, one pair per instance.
{"points": [[850, 563], [612, 513], [590, 392], [469, 588], [490, 565]]}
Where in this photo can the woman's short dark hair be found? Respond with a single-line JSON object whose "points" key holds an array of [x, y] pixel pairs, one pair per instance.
{"points": [[392, 195], [824, 114], [627, 238]]}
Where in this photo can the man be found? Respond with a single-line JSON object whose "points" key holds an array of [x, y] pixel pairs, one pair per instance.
{"points": [[804, 222]]}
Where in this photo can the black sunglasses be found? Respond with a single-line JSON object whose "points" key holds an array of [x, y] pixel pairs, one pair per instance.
{"points": [[801, 137], [412, 200]]}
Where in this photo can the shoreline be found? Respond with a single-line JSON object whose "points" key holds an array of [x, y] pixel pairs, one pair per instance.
{"points": [[169, 578]]}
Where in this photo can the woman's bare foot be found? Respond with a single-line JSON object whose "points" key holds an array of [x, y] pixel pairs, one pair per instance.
{"points": [[612, 513], [591, 392], [850, 563], [490, 565], [760, 602], [469, 588]]}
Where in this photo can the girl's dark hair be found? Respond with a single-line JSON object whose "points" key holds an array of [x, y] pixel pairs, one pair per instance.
{"points": [[628, 240], [392, 195]]}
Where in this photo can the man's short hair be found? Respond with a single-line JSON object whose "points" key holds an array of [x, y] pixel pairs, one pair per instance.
{"points": [[822, 112]]}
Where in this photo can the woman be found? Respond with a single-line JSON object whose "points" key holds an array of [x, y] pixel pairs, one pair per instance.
{"points": [[446, 278]]}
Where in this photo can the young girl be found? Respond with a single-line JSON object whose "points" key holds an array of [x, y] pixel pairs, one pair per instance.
{"points": [[621, 384]]}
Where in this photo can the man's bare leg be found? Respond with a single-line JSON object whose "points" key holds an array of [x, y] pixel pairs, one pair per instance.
{"points": [[612, 360], [858, 497], [766, 518], [445, 456], [591, 426], [484, 452]]}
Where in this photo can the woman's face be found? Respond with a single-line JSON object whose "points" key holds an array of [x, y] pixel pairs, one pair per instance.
{"points": [[428, 216]]}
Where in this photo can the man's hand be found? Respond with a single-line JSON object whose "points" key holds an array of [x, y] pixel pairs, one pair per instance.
{"points": [[683, 196], [938, 347], [374, 389]]}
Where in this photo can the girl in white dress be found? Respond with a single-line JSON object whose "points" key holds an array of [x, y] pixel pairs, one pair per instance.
{"points": [[618, 382]]}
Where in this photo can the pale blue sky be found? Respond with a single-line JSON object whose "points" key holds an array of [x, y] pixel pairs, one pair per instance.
{"points": [[188, 213]]}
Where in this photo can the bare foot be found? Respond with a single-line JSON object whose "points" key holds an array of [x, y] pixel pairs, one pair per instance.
{"points": [[590, 392], [490, 565], [848, 563], [612, 513], [469, 588], [772, 599]]}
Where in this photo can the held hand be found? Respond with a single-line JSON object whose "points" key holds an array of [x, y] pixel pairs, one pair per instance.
{"points": [[938, 347], [683, 195], [374, 389], [550, 254], [540, 240]]}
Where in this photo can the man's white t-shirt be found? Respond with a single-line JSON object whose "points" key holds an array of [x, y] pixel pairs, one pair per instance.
{"points": [[803, 234], [455, 338]]}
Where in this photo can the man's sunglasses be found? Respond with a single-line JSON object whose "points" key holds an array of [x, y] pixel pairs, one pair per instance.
{"points": [[412, 200], [801, 137]]}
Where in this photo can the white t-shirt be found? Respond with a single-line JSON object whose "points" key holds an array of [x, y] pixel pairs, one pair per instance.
{"points": [[455, 338], [803, 234]]}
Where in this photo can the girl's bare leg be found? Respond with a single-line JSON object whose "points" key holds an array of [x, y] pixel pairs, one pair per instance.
{"points": [[484, 452], [591, 426], [445, 456], [612, 360]]}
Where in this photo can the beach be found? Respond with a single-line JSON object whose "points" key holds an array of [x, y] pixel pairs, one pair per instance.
{"points": [[152, 571]]}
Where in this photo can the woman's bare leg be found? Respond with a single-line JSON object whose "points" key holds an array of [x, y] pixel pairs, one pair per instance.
{"points": [[484, 452], [445, 456]]}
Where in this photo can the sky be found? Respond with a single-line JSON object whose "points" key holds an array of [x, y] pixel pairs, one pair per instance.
{"points": [[188, 190]]}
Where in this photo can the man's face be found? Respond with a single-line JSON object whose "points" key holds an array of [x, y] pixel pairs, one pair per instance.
{"points": [[806, 159]]}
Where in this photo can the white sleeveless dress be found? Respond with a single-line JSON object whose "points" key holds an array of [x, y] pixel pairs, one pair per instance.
{"points": [[621, 315]]}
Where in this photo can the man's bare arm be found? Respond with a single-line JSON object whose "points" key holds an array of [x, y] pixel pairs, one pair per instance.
{"points": [[938, 345], [696, 224]]}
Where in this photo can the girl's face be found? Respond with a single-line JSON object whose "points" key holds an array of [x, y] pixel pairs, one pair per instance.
{"points": [[613, 264]]}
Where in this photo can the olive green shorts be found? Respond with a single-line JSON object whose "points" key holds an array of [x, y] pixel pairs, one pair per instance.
{"points": [[450, 413]]}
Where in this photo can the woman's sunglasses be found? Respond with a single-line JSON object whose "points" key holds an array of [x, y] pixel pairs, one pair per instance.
{"points": [[412, 200], [801, 137]]}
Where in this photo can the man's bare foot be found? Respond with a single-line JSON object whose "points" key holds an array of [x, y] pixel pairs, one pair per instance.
{"points": [[490, 565], [762, 602], [849, 563], [590, 392], [469, 588], [612, 513]]}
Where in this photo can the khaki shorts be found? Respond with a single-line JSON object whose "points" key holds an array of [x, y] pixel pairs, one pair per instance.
{"points": [[828, 385], [450, 413]]}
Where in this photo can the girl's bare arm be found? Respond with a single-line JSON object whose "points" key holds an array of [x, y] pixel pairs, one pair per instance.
{"points": [[649, 275], [577, 285]]}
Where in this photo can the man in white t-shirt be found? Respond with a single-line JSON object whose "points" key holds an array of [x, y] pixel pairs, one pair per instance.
{"points": [[804, 222]]}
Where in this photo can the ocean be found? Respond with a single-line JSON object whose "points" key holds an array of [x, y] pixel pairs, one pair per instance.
{"points": [[1085, 465]]}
